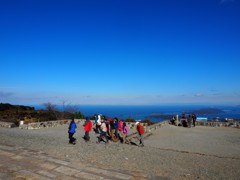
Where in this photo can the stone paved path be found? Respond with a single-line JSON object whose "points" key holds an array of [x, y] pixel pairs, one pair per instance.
{"points": [[21, 163]]}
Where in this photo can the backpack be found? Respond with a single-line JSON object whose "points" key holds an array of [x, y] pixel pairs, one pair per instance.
{"points": [[140, 129]]}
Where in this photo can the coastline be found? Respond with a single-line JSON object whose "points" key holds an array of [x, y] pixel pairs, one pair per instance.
{"points": [[157, 113]]}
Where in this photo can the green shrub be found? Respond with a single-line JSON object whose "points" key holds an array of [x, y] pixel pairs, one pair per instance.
{"points": [[79, 115]]}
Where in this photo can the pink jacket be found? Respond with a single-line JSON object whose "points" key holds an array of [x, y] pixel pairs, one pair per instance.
{"points": [[125, 130], [120, 125]]}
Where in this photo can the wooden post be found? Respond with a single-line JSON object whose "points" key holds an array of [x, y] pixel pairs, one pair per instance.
{"points": [[177, 120]]}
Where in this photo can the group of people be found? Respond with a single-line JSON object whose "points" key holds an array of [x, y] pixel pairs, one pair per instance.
{"points": [[110, 129], [186, 121]]}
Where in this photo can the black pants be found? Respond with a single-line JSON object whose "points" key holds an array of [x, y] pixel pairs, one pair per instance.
{"points": [[103, 135], [71, 138], [97, 129], [86, 136], [116, 133]]}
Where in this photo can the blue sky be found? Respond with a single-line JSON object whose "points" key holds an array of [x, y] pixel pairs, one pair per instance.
{"points": [[120, 51]]}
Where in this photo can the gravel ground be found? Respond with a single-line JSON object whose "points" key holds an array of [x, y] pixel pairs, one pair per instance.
{"points": [[170, 153]]}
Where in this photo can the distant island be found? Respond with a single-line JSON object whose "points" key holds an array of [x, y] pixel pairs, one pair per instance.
{"points": [[206, 111], [202, 111]]}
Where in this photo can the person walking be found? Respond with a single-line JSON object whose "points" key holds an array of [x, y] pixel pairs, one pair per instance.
{"points": [[103, 133], [87, 128], [140, 131], [116, 128], [120, 133], [71, 130], [112, 131], [125, 133], [98, 125]]}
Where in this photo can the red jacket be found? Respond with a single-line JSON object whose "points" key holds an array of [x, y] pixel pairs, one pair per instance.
{"points": [[88, 126], [140, 129]]}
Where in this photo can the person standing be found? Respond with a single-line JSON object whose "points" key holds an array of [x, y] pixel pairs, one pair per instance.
{"points": [[194, 118], [87, 128], [71, 130], [189, 119], [140, 131], [173, 121]]}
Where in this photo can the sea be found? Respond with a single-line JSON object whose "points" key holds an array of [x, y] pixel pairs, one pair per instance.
{"points": [[157, 113]]}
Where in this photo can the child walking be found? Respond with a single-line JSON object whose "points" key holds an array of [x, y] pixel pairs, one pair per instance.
{"points": [[71, 130], [140, 131], [87, 128], [103, 133], [125, 133]]}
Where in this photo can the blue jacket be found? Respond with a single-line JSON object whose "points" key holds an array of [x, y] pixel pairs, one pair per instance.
{"points": [[116, 124], [72, 127]]}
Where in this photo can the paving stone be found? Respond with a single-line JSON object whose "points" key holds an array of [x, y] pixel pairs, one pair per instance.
{"points": [[17, 157], [109, 173], [47, 165], [47, 174], [8, 148], [6, 176], [47, 158], [57, 161], [63, 177], [76, 173], [42, 157], [88, 176], [66, 170], [15, 167], [82, 167], [5, 153], [77, 165], [3, 169], [29, 175], [26, 164]]}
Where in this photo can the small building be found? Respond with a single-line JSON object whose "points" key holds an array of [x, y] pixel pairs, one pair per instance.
{"points": [[202, 118]]}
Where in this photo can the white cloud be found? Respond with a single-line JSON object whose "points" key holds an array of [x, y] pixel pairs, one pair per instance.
{"points": [[198, 95]]}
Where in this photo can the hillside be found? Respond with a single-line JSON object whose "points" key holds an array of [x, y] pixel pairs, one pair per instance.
{"points": [[15, 113]]}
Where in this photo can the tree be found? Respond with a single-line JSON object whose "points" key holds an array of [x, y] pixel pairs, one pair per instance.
{"points": [[49, 106], [71, 108], [74, 109], [129, 119], [63, 114], [79, 115]]}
